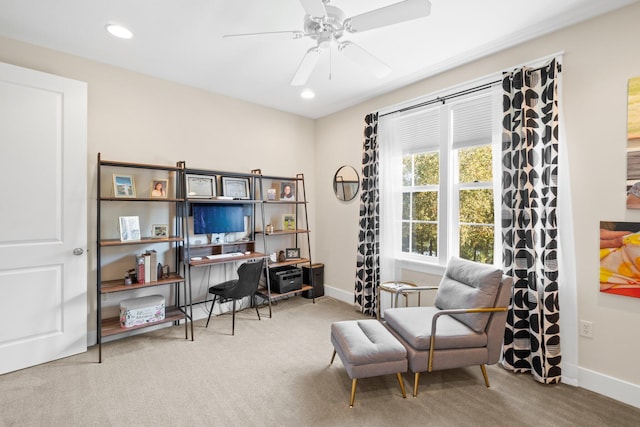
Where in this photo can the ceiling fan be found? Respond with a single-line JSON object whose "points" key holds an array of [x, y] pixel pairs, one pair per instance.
{"points": [[326, 24]]}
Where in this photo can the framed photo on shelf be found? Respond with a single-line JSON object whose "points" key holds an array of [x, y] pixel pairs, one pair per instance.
{"points": [[288, 222], [201, 187], [287, 191], [238, 188], [129, 228], [160, 231], [159, 188], [292, 253], [271, 194], [123, 186]]}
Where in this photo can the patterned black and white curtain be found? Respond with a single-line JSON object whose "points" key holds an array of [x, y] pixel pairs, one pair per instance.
{"points": [[368, 263], [529, 220]]}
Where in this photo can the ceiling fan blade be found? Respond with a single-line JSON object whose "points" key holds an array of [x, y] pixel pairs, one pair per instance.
{"points": [[388, 15], [314, 8], [271, 35], [306, 66], [364, 58]]}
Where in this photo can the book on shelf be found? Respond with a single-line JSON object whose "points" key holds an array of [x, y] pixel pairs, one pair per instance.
{"points": [[140, 269], [129, 228], [147, 267], [153, 262]]}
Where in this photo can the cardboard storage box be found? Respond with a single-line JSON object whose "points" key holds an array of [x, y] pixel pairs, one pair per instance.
{"points": [[140, 311]]}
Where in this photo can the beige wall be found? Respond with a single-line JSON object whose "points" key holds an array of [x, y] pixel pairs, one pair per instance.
{"points": [[137, 118], [599, 57], [140, 118]]}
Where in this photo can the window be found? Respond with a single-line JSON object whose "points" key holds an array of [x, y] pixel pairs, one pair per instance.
{"points": [[449, 185]]}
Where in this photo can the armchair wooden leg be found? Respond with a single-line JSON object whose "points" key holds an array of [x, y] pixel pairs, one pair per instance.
{"points": [[401, 382], [353, 392], [484, 374], [415, 384], [333, 357]]}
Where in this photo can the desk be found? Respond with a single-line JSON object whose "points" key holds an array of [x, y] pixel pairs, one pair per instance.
{"points": [[206, 262]]}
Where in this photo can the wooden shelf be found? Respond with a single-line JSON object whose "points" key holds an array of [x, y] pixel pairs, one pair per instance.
{"points": [[110, 286], [111, 326], [289, 262], [274, 295], [138, 165], [140, 199], [285, 202], [207, 261], [196, 200], [284, 232], [143, 241]]}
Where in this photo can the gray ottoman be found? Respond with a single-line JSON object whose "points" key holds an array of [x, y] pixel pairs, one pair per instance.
{"points": [[368, 349]]}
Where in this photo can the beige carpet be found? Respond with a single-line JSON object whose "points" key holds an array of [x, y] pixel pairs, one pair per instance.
{"points": [[276, 372]]}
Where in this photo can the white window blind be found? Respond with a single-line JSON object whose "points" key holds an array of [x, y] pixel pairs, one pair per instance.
{"points": [[472, 122], [419, 131]]}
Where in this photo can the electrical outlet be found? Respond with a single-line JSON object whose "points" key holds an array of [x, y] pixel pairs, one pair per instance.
{"points": [[586, 328]]}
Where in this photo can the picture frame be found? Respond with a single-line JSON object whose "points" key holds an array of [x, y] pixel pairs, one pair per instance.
{"points": [[291, 253], [159, 188], [124, 186], [271, 194], [129, 228], [287, 191], [160, 231], [288, 222], [238, 188], [201, 186]]}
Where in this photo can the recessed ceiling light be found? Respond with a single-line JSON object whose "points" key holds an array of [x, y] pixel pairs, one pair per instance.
{"points": [[119, 31], [307, 94]]}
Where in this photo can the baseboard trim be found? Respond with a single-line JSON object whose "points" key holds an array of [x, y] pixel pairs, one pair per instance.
{"points": [[614, 388], [569, 374], [339, 294]]}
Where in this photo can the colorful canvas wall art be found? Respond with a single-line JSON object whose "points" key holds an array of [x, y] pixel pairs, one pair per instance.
{"points": [[633, 144], [620, 258]]}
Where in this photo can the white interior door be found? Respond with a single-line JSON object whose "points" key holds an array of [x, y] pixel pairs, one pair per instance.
{"points": [[43, 133]]}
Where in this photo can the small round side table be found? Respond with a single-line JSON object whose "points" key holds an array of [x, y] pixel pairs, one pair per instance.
{"points": [[392, 287]]}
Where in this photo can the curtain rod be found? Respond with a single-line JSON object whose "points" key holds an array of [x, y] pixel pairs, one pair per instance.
{"points": [[443, 99]]}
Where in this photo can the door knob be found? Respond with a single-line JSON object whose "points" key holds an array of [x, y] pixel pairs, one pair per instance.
{"points": [[78, 251]]}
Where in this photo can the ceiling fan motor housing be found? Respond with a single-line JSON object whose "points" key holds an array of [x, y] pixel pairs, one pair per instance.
{"points": [[325, 29]]}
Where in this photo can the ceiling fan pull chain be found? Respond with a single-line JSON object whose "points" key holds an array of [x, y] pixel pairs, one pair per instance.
{"points": [[330, 62]]}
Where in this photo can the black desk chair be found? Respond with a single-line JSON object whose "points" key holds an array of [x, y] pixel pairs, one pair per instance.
{"points": [[246, 285]]}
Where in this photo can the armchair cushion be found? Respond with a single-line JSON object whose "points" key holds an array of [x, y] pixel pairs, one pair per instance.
{"points": [[467, 284], [413, 324]]}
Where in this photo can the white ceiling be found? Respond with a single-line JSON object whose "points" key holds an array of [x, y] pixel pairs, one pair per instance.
{"points": [[181, 41]]}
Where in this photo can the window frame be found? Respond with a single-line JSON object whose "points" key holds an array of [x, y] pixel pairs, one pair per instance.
{"points": [[449, 188]]}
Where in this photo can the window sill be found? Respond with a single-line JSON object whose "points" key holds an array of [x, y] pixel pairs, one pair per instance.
{"points": [[422, 267]]}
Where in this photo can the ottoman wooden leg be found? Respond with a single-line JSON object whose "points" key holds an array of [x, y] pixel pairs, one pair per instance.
{"points": [[333, 357], [401, 382], [415, 384], [353, 392]]}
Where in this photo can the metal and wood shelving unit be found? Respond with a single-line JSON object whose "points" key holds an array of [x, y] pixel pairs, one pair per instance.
{"points": [[107, 201], [297, 237]]}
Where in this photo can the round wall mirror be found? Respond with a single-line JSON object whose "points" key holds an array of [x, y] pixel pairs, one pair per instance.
{"points": [[346, 183]]}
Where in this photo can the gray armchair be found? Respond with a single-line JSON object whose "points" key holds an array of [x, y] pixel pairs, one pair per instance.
{"points": [[465, 327]]}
